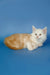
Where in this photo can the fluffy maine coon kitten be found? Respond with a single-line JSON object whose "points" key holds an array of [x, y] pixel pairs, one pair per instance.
{"points": [[29, 41]]}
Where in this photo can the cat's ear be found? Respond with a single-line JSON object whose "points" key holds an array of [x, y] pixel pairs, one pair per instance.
{"points": [[45, 30], [33, 28]]}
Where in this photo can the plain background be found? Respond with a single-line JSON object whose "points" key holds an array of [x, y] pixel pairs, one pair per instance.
{"points": [[18, 16]]}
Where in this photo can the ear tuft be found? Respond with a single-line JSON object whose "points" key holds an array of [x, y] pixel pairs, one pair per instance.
{"points": [[33, 27], [45, 30]]}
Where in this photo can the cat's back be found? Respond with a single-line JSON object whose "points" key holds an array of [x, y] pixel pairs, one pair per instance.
{"points": [[18, 36]]}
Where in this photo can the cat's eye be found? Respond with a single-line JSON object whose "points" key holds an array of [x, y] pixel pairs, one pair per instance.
{"points": [[35, 33], [40, 34]]}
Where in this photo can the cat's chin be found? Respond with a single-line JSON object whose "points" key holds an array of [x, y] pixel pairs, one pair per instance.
{"points": [[39, 40]]}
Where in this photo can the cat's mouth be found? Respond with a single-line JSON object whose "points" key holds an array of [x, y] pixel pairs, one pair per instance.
{"points": [[38, 38]]}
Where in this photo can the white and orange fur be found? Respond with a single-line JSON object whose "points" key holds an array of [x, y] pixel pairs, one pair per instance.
{"points": [[29, 41]]}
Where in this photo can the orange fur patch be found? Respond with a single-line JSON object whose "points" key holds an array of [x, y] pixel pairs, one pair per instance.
{"points": [[16, 41]]}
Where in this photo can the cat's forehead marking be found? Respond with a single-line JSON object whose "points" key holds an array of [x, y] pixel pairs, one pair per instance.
{"points": [[38, 31]]}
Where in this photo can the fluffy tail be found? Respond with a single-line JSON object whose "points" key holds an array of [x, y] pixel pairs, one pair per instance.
{"points": [[9, 44]]}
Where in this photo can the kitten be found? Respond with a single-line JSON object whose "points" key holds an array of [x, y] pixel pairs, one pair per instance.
{"points": [[29, 41]]}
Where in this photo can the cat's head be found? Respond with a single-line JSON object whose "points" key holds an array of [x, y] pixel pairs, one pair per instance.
{"points": [[39, 34]]}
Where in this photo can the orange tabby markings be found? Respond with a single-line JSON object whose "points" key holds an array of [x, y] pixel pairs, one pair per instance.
{"points": [[16, 41]]}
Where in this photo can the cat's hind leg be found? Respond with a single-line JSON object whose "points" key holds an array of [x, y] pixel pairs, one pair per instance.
{"points": [[29, 46]]}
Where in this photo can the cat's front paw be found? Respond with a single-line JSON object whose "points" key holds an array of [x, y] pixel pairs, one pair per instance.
{"points": [[30, 49], [40, 45]]}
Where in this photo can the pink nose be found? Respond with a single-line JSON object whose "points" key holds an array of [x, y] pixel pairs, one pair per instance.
{"points": [[37, 36]]}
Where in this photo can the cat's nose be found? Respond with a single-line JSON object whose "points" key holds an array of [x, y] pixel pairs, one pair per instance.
{"points": [[37, 36]]}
